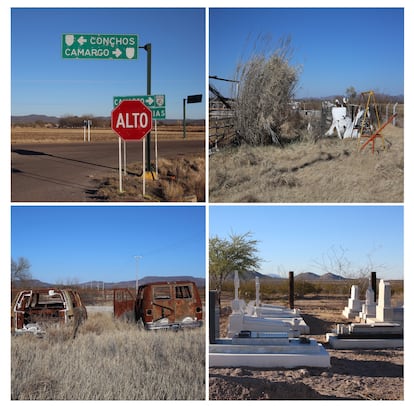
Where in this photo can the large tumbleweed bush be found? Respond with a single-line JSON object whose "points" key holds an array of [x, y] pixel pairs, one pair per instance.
{"points": [[266, 86]]}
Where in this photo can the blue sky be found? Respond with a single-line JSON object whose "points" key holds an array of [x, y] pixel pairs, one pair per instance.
{"points": [[335, 47], [80, 243], [58, 86], [297, 238]]}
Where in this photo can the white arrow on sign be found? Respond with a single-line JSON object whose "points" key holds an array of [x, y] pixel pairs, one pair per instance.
{"points": [[117, 52], [149, 101], [81, 40]]}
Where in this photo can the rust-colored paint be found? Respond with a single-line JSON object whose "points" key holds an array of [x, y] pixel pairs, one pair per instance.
{"points": [[34, 306], [124, 301], [164, 304]]}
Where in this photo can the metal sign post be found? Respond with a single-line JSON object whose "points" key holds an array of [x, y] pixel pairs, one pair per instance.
{"points": [[131, 120], [156, 103], [120, 164], [89, 130], [195, 98]]}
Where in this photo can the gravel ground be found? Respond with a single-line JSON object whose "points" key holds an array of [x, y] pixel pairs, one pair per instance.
{"points": [[364, 374], [354, 374]]}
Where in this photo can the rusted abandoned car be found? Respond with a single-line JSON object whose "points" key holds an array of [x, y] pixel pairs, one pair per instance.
{"points": [[161, 305], [33, 308]]}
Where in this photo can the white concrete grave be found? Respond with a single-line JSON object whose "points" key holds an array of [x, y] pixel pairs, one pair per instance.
{"points": [[258, 317], [262, 342], [354, 304], [381, 326], [267, 350], [369, 308], [384, 311]]}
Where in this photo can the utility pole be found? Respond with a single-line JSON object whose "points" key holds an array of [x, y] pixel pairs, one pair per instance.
{"points": [[137, 257]]}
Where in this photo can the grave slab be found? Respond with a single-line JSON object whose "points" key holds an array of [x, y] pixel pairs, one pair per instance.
{"points": [[268, 352]]}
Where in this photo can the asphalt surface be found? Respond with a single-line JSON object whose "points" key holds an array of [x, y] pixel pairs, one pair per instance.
{"points": [[69, 172]]}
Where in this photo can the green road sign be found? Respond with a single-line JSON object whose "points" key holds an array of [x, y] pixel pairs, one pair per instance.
{"points": [[99, 46], [156, 103]]}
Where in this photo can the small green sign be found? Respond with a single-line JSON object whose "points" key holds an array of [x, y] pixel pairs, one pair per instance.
{"points": [[156, 103], [99, 46]]}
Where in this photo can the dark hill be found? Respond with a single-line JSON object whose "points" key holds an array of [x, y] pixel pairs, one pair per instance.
{"points": [[307, 276], [329, 276]]}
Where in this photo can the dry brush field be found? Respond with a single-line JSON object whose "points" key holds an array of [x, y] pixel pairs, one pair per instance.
{"points": [[109, 360], [328, 170], [63, 135]]}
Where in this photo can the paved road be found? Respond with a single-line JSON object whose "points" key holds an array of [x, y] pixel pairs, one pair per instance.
{"points": [[68, 172]]}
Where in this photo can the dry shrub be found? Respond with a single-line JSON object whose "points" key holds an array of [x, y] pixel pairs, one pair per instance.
{"points": [[179, 180], [182, 178], [266, 87]]}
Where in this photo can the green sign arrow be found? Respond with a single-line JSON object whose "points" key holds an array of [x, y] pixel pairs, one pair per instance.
{"points": [[99, 46], [156, 103]]}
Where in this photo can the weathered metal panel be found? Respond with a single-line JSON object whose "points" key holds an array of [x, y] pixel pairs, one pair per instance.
{"points": [[124, 301], [40, 306]]}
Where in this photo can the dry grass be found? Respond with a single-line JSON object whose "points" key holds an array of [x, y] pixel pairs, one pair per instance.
{"points": [[66, 135], [179, 180], [109, 360], [329, 170]]}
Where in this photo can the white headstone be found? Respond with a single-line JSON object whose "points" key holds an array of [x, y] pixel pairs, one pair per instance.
{"points": [[369, 307], [385, 312], [237, 305], [354, 304]]}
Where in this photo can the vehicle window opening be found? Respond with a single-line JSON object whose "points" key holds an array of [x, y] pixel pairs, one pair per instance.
{"points": [[162, 292], [47, 301], [183, 292]]}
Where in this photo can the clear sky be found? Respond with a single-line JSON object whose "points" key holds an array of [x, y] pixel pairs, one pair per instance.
{"points": [[81, 243], [335, 47], [42, 82], [297, 238]]}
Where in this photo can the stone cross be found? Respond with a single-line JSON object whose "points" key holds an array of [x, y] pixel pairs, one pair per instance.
{"points": [[257, 291], [236, 285]]}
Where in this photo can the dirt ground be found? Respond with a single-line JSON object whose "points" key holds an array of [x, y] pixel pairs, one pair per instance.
{"points": [[329, 170], [354, 374]]}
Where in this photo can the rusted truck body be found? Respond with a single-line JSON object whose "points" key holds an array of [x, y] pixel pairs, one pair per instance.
{"points": [[161, 305], [33, 308]]}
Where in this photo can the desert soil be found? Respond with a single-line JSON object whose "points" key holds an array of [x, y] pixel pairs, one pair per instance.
{"points": [[330, 170], [354, 374]]}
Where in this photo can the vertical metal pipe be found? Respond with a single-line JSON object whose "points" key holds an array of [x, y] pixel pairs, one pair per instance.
{"points": [[148, 48], [212, 325], [184, 118], [374, 284], [291, 290]]}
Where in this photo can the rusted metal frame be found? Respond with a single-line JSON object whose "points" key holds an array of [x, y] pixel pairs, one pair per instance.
{"points": [[377, 134]]}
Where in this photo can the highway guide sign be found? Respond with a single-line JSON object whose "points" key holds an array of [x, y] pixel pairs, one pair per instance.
{"points": [[131, 120], [154, 102], [100, 46]]}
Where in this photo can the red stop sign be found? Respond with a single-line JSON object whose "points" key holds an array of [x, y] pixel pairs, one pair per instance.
{"points": [[131, 120]]}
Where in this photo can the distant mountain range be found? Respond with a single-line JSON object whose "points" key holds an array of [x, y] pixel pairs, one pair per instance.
{"points": [[304, 276], [33, 118], [41, 118], [200, 282], [310, 276]]}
